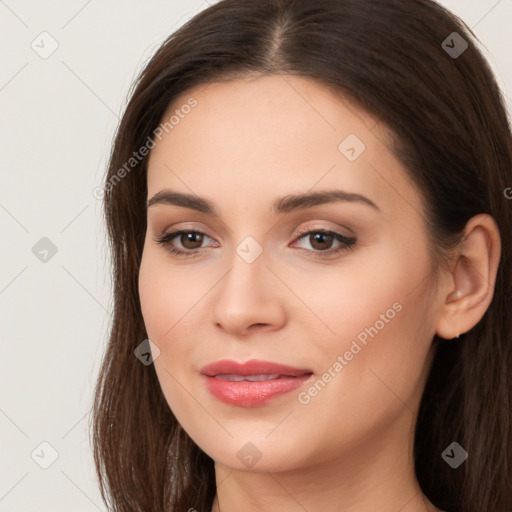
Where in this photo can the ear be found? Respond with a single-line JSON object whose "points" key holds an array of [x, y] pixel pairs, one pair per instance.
{"points": [[471, 283]]}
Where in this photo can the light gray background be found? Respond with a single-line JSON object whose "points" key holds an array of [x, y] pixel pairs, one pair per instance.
{"points": [[58, 116]]}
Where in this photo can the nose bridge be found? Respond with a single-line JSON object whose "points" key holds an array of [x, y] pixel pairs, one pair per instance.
{"points": [[249, 250], [244, 295], [248, 266]]}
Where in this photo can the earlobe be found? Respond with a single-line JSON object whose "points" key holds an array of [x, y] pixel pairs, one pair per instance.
{"points": [[472, 278]]}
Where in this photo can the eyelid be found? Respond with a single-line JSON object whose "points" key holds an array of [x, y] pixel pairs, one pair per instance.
{"points": [[348, 234], [317, 227]]}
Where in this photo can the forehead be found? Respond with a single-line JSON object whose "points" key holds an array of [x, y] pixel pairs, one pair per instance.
{"points": [[263, 134], [292, 107]]}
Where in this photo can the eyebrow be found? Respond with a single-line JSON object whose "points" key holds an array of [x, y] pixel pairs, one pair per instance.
{"points": [[281, 206]]}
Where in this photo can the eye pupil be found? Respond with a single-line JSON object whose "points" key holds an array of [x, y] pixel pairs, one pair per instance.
{"points": [[318, 237], [191, 237]]}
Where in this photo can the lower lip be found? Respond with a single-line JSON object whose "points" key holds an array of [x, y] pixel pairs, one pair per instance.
{"points": [[252, 394]]}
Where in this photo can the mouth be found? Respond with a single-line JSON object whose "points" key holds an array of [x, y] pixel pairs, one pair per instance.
{"points": [[253, 383], [251, 378]]}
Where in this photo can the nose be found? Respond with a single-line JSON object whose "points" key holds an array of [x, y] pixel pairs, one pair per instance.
{"points": [[249, 298]]}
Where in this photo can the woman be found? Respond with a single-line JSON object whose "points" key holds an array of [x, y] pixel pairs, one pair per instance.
{"points": [[308, 213]]}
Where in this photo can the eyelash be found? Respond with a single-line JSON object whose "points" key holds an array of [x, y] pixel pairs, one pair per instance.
{"points": [[347, 243]]}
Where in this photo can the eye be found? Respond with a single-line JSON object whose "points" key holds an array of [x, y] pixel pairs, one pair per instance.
{"points": [[191, 241], [321, 241]]}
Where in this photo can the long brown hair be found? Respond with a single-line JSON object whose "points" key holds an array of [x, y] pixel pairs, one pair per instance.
{"points": [[395, 60]]}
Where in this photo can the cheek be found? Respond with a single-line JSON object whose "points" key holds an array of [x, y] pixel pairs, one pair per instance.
{"points": [[384, 327], [370, 290], [168, 294], [152, 306], [373, 369], [379, 314]]}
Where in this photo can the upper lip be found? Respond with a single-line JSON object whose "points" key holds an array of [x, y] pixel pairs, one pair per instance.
{"points": [[252, 367]]}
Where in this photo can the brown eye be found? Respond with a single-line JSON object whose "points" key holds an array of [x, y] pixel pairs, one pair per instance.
{"points": [[189, 242], [191, 239], [321, 241]]}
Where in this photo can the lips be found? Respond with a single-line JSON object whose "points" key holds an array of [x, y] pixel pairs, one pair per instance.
{"points": [[253, 367], [253, 383]]}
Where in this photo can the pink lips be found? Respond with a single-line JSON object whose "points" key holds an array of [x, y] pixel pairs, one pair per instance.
{"points": [[226, 380]]}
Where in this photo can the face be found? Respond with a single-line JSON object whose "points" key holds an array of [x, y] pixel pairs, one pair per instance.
{"points": [[340, 289]]}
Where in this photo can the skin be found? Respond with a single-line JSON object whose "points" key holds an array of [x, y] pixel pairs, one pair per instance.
{"points": [[247, 143]]}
